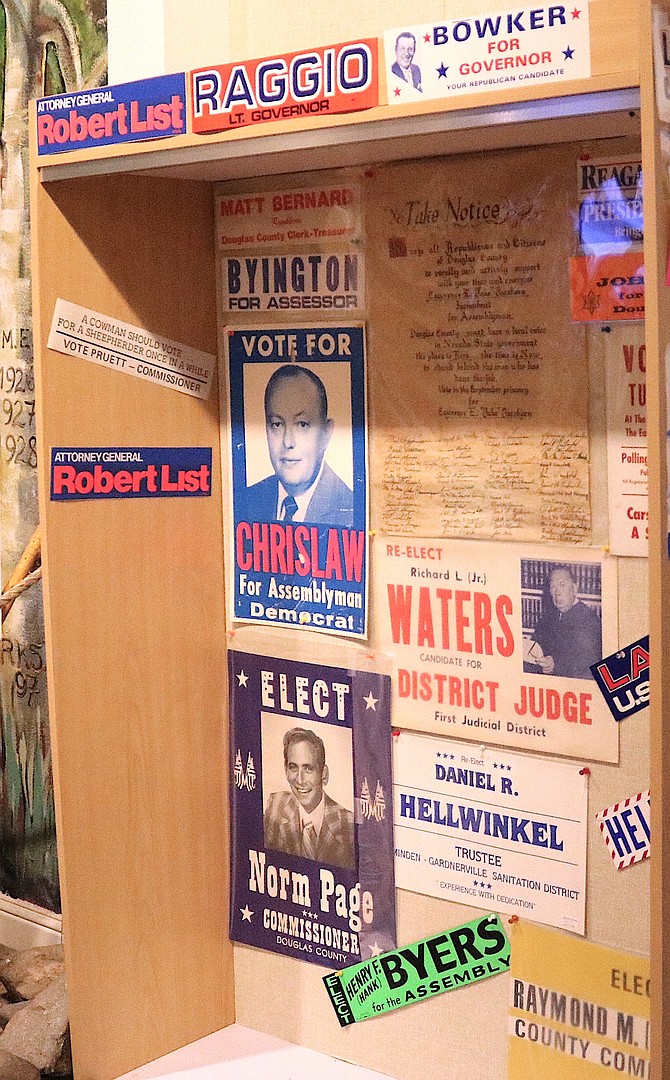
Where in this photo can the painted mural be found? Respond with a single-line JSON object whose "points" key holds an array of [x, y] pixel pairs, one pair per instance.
{"points": [[46, 47]]}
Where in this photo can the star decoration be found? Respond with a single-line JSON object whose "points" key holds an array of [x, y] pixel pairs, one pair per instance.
{"points": [[426, 38], [494, 765], [576, 13], [242, 679], [397, 91], [591, 301], [568, 53], [246, 913], [375, 949], [370, 702], [451, 756], [442, 71], [439, 754]]}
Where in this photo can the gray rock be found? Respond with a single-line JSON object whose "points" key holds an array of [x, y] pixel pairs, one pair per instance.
{"points": [[63, 1067], [8, 1008], [13, 1068], [29, 972], [37, 1033]]}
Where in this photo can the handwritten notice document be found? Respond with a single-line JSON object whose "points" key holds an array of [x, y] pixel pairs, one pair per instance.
{"points": [[479, 381]]}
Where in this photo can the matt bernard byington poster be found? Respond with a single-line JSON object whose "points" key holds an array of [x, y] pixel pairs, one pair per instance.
{"points": [[299, 477], [311, 795]]}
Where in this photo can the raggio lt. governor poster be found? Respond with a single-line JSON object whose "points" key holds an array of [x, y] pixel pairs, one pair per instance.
{"points": [[299, 477]]}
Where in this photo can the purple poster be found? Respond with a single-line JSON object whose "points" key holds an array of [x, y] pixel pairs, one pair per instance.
{"points": [[311, 809]]}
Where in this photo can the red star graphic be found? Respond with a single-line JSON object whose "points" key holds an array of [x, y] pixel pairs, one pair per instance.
{"points": [[397, 91], [426, 38], [575, 14]]}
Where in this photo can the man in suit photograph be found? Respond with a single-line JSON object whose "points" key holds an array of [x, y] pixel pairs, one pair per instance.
{"points": [[568, 637], [303, 486], [403, 68], [305, 821]]}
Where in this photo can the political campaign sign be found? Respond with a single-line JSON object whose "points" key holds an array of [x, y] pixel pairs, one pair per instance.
{"points": [[626, 828], [312, 834], [523, 47], [327, 281], [577, 1011], [494, 642], [318, 213], [623, 678], [298, 477], [607, 288], [491, 829], [146, 109], [120, 346], [313, 82], [625, 353], [129, 472], [610, 203], [448, 961]]}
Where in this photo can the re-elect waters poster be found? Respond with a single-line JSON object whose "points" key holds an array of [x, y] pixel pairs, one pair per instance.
{"points": [[299, 477], [493, 642]]}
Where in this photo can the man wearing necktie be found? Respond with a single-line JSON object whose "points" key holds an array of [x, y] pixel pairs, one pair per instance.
{"points": [[298, 430], [305, 821]]}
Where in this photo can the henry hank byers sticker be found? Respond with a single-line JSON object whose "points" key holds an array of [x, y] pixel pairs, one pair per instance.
{"points": [[461, 956], [100, 339]]}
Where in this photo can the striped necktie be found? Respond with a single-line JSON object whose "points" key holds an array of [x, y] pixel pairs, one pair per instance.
{"points": [[288, 508], [309, 840]]}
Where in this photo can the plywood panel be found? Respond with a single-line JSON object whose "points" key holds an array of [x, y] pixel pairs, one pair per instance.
{"points": [[657, 239], [134, 606]]}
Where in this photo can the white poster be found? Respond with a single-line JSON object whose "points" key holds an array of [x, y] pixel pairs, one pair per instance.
{"points": [[289, 217], [626, 375], [500, 50], [493, 642], [121, 346], [494, 830]]}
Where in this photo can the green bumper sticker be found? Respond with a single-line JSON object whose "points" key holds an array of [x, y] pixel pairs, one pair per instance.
{"points": [[458, 957]]}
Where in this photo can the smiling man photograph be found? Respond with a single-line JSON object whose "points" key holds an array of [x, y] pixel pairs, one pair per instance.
{"points": [[305, 821], [298, 428]]}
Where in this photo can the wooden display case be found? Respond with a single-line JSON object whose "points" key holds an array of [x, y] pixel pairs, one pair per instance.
{"points": [[134, 601]]}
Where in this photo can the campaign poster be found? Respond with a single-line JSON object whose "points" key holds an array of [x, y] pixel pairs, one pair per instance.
{"points": [[129, 472], [494, 642], [318, 213], [576, 1010], [314, 280], [84, 119], [626, 829], [121, 346], [623, 678], [448, 961], [299, 477], [524, 47], [491, 829], [317, 82], [627, 483], [312, 832], [608, 287], [610, 203]]}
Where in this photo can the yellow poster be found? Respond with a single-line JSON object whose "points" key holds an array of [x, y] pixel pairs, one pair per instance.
{"points": [[575, 1009]]}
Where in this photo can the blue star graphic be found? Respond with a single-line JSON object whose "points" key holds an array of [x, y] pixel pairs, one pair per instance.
{"points": [[568, 53], [442, 71]]}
